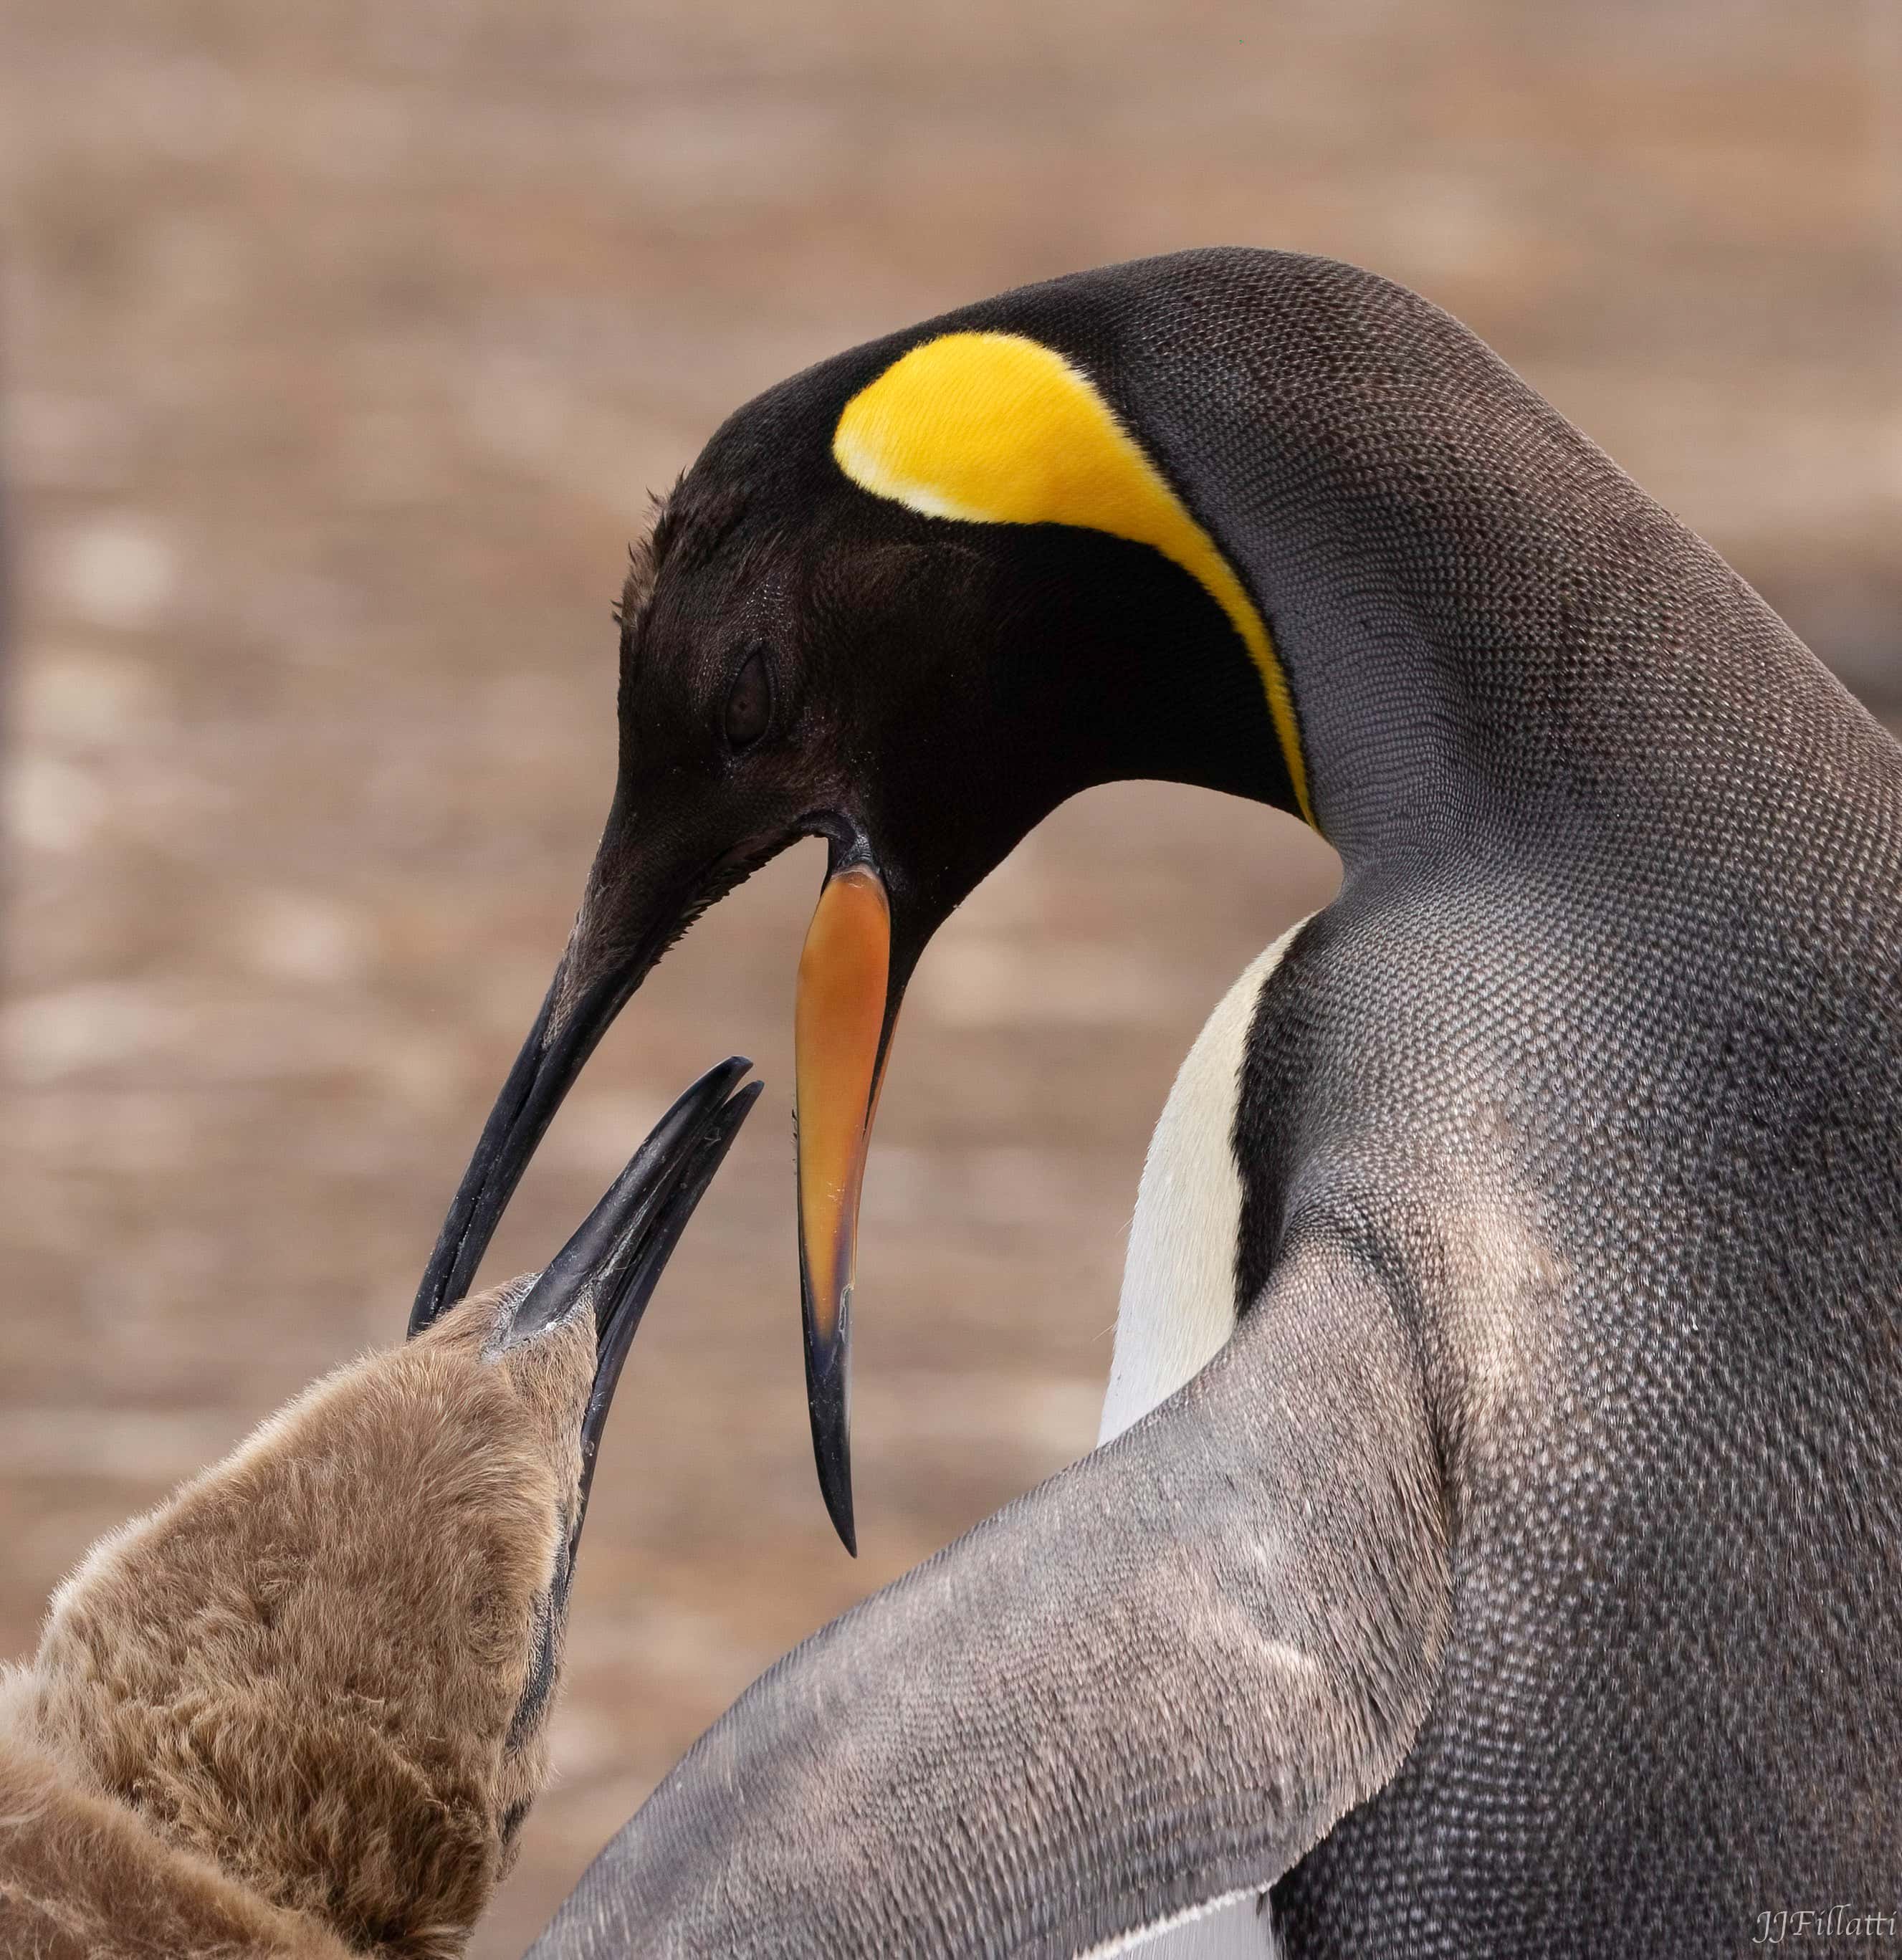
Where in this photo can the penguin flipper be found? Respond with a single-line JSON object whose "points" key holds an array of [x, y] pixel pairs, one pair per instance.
{"points": [[1152, 1684]]}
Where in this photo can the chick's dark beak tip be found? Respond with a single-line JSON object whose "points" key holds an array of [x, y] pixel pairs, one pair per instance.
{"points": [[611, 1264], [618, 1319]]}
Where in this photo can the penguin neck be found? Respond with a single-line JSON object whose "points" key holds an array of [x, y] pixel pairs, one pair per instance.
{"points": [[1446, 603], [1132, 671], [1466, 656], [1486, 628], [1494, 633], [1469, 667]]}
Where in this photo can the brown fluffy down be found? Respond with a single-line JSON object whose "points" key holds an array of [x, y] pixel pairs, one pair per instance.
{"points": [[81, 1879], [275, 1713]]}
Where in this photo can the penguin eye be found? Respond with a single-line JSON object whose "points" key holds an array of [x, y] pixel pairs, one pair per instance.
{"points": [[750, 702]]}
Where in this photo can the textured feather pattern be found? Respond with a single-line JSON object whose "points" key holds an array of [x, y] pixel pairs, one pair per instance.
{"points": [[279, 1713]]}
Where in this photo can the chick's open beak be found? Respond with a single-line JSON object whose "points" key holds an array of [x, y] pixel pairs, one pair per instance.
{"points": [[609, 1268]]}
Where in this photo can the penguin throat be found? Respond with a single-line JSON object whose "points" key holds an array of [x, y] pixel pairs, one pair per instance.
{"points": [[994, 428]]}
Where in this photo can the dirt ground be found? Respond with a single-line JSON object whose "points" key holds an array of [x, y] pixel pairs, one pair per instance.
{"points": [[341, 346]]}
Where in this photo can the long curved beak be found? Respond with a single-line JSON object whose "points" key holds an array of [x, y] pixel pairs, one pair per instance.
{"points": [[841, 1029], [609, 1268], [849, 982]]}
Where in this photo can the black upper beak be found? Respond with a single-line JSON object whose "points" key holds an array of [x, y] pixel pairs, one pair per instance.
{"points": [[852, 976], [542, 1073], [628, 919], [609, 1268]]}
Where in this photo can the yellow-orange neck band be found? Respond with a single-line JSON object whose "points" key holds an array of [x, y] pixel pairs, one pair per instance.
{"points": [[996, 428]]}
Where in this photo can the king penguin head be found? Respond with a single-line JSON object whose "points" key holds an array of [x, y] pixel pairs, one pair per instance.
{"points": [[909, 601]]}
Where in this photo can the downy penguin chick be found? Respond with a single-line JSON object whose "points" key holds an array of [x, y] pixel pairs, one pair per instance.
{"points": [[299, 1709]]}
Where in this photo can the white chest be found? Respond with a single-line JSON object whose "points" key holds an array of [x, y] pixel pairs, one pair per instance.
{"points": [[1178, 1303], [1177, 1309]]}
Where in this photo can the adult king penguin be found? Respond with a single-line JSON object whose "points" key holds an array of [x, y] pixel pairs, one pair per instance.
{"points": [[1521, 1576]]}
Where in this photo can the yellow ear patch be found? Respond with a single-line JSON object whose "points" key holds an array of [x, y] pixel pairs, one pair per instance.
{"points": [[993, 428]]}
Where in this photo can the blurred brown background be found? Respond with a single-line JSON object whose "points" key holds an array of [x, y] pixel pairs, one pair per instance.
{"points": [[341, 345]]}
